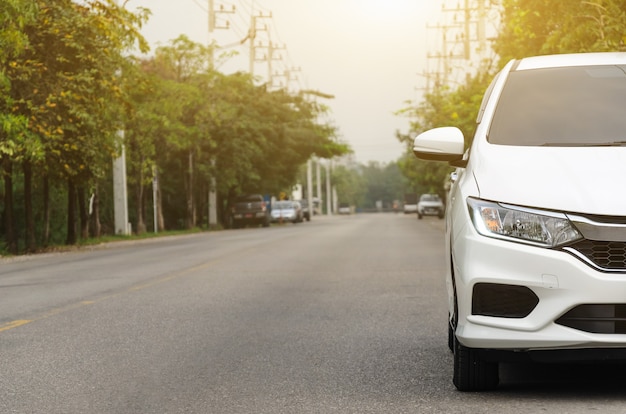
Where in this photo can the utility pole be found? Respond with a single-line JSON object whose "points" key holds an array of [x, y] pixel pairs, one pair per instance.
{"points": [[213, 16], [329, 210], [212, 201], [461, 33], [309, 189], [271, 49], [252, 37], [318, 181], [120, 191], [287, 74], [444, 68], [214, 24]]}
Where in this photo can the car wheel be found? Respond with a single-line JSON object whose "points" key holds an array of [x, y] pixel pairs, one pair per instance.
{"points": [[471, 373], [419, 216]]}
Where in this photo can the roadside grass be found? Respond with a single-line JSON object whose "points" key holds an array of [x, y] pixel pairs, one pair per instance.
{"points": [[90, 242]]}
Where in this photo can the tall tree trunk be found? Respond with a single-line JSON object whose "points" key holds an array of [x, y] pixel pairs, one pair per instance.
{"points": [[29, 236], [9, 219], [82, 211], [160, 218], [71, 212], [45, 239], [191, 212]]}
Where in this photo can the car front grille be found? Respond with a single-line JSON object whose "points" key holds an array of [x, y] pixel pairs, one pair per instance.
{"points": [[605, 255], [604, 243]]}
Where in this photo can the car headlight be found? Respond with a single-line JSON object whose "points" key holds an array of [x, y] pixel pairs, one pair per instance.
{"points": [[514, 223]]}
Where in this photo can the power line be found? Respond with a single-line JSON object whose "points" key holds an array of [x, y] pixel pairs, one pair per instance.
{"points": [[200, 5]]}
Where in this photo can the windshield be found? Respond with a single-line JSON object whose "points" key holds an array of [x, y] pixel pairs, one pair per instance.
{"points": [[248, 199], [571, 106], [281, 205]]}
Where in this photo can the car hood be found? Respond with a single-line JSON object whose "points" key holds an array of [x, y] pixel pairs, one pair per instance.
{"points": [[571, 179]]}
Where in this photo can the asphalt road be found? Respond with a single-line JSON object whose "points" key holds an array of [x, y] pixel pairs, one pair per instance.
{"points": [[338, 315]]}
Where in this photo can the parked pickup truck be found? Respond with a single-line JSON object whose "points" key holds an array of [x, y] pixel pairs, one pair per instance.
{"points": [[250, 209]]}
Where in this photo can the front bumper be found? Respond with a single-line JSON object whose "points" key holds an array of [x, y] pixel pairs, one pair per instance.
{"points": [[253, 217], [286, 217], [430, 211], [560, 281]]}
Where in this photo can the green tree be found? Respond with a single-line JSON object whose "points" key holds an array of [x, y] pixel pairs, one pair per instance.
{"points": [[147, 121], [183, 72], [14, 16], [196, 124], [539, 27], [350, 184], [66, 85], [263, 137], [442, 107], [384, 182]]}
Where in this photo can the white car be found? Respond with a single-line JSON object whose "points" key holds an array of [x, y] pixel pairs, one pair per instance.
{"points": [[344, 208], [286, 210], [536, 218], [430, 205]]}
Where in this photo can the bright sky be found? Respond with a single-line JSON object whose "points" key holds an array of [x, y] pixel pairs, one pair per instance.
{"points": [[370, 54]]}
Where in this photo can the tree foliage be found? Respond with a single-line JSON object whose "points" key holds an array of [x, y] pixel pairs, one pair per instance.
{"points": [[62, 103], [364, 186], [201, 129], [539, 27], [69, 87]]}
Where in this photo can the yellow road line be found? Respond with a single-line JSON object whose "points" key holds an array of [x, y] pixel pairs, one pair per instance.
{"points": [[14, 324], [168, 278], [57, 311]]}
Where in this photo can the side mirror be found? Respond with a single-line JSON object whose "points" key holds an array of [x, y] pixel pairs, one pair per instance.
{"points": [[440, 144]]}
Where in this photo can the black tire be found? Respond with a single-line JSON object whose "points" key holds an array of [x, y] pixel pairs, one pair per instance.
{"points": [[471, 373], [419, 216]]}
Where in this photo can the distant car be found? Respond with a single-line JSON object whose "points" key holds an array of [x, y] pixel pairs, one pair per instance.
{"points": [[430, 205], [306, 212], [249, 209], [344, 208], [286, 210]]}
